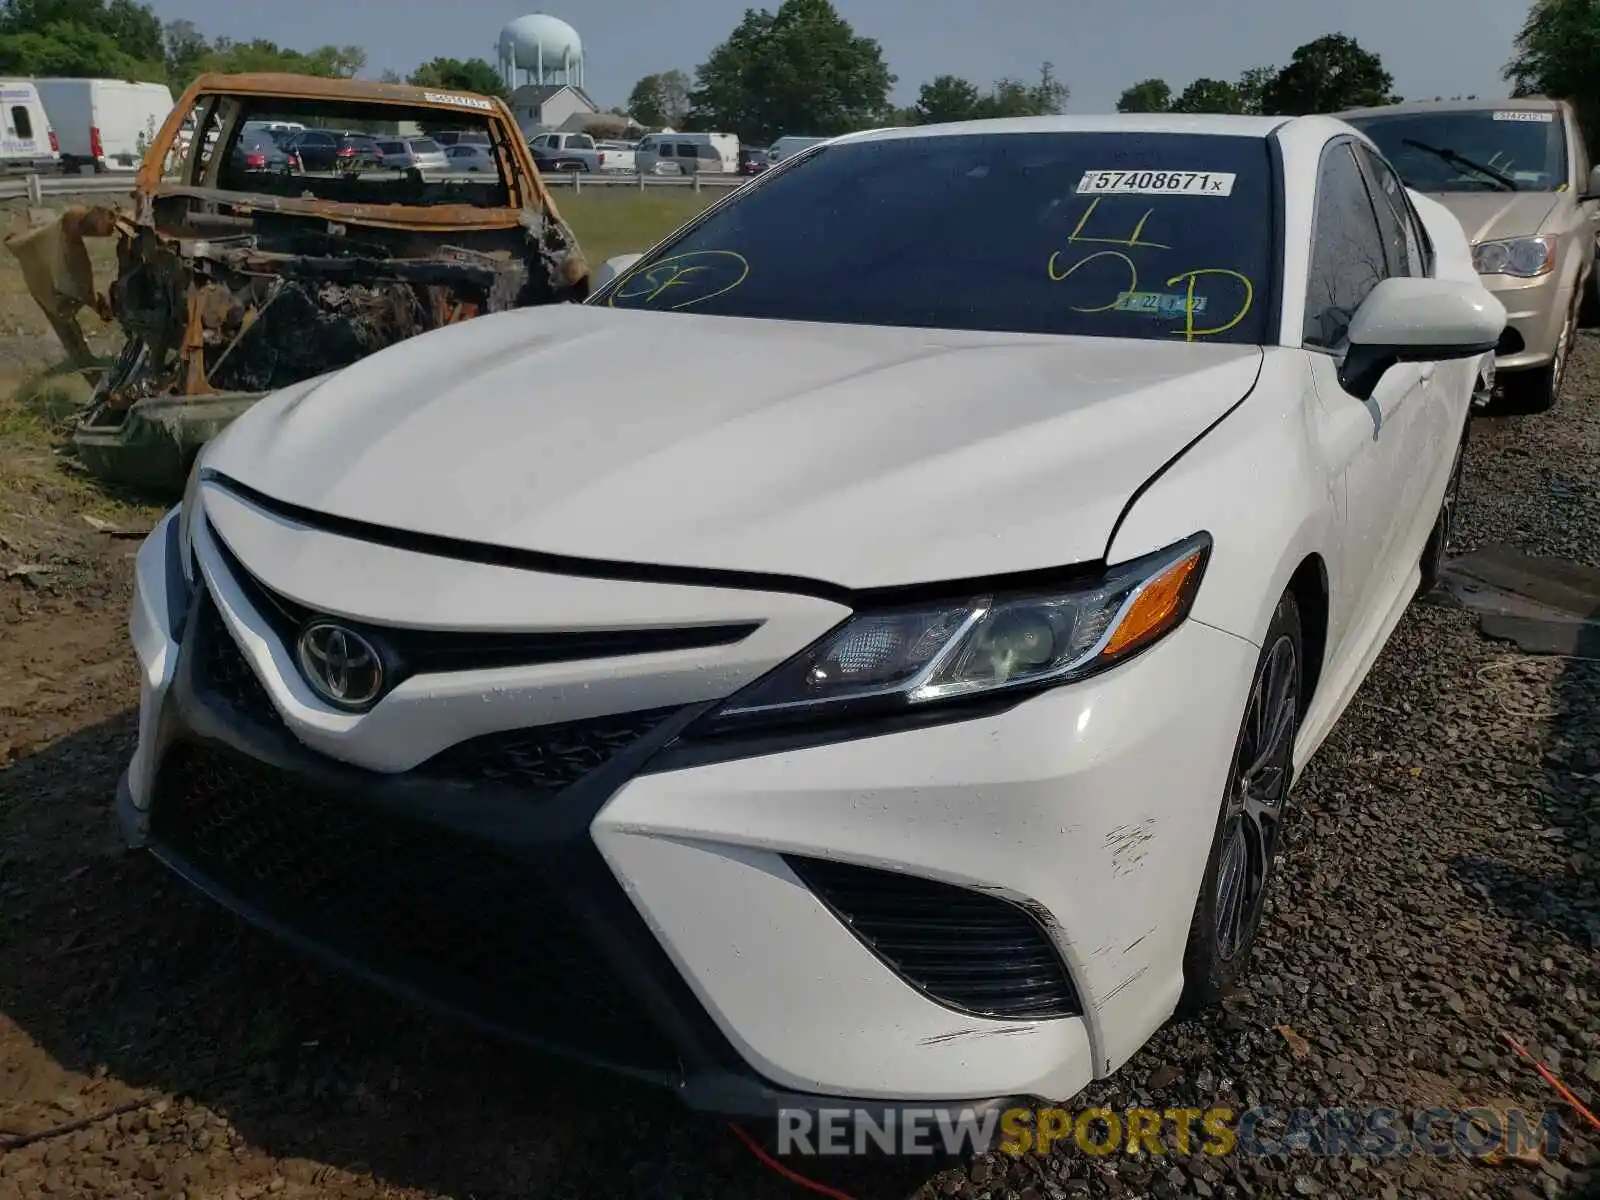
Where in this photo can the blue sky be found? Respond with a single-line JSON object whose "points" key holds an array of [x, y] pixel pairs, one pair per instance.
{"points": [[1432, 47]]}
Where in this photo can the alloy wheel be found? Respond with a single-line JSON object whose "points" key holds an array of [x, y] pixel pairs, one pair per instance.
{"points": [[1262, 769]]}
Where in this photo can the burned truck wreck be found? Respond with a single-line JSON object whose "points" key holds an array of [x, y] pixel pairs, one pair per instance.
{"points": [[269, 243]]}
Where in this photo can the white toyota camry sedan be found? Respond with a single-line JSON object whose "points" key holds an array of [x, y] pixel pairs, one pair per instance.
{"points": [[865, 650]]}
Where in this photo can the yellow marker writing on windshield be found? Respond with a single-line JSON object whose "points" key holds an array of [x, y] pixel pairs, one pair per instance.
{"points": [[1132, 239], [1133, 276], [1189, 331], [682, 271]]}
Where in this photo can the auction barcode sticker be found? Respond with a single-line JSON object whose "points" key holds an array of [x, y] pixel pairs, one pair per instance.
{"points": [[1156, 183], [1544, 117]]}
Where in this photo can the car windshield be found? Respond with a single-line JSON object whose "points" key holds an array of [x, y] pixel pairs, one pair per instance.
{"points": [[1476, 150], [1103, 234]]}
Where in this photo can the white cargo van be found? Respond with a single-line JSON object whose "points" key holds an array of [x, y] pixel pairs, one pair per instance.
{"points": [[29, 145], [104, 124], [688, 154]]}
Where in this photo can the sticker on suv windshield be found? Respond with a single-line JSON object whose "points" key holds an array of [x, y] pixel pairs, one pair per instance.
{"points": [[1526, 114], [1156, 183], [1159, 304]]}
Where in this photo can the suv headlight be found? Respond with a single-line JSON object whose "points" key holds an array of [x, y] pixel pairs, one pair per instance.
{"points": [[908, 658], [1526, 258]]}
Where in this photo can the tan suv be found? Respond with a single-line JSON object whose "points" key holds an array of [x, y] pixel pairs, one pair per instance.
{"points": [[1516, 174]]}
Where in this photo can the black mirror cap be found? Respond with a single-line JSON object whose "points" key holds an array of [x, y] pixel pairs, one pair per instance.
{"points": [[1365, 366]]}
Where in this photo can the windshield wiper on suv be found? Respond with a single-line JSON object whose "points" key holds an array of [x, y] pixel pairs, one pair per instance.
{"points": [[1461, 160]]}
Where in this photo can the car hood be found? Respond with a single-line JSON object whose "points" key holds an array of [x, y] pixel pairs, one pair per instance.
{"points": [[861, 456], [1488, 216]]}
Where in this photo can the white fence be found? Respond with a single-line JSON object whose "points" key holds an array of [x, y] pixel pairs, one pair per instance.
{"points": [[36, 187]]}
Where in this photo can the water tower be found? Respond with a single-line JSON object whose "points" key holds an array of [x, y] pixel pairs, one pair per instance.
{"points": [[540, 49]]}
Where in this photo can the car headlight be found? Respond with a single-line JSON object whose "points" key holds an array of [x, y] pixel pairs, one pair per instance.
{"points": [[1525, 258], [908, 658]]}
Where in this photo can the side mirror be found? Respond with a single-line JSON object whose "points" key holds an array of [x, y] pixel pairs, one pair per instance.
{"points": [[1417, 320], [611, 268], [1592, 191]]}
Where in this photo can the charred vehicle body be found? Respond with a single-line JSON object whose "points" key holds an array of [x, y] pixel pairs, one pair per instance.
{"points": [[233, 283]]}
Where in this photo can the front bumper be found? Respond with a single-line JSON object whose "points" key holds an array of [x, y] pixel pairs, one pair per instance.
{"points": [[650, 916], [1536, 310]]}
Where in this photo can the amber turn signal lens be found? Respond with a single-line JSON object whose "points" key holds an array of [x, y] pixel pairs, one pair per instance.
{"points": [[1161, 604]]}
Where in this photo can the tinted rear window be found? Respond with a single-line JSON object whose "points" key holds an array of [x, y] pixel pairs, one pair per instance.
{"points": [[425, 146], [1481, 150], [1105, 234]]}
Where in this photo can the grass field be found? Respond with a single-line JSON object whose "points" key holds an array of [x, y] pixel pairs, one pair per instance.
{"points": [[611, 221]]}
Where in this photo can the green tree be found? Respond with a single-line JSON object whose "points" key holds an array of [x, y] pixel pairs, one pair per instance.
{"points": [[470, 75], [332, 62], [799, 70], [185, 50], [1557, 54], [1251, 86], [1326, 76], [946, 98], [1146, 96], [1209, 96], [87, 38], [660, 100]]}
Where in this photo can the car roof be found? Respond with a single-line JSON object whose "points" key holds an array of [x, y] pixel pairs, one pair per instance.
{"points": [[1522, 104], [1214, 125]]}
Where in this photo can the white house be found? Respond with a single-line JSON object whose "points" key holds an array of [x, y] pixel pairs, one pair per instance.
{"points": [[550, 105]]}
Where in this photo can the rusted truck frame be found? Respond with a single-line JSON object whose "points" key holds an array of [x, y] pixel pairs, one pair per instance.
{"points": [[226, 294]]}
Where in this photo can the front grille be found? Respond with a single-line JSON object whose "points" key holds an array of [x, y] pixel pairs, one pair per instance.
{"points": [[977, 954], [456, 919], [223, 672], [544, 759], [539, 761]]}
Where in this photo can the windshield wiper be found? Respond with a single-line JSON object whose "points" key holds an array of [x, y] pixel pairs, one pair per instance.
{"points": [[1461, 160]]}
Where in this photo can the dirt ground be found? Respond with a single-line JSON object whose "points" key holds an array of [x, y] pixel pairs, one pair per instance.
{"points": [[165, 1050]]}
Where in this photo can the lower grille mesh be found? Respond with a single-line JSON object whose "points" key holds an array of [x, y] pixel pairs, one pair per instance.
{"points": [[459, 920], [974, 953]]}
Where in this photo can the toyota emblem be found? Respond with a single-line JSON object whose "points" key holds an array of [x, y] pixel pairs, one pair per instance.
{"points": [[340, 665]]}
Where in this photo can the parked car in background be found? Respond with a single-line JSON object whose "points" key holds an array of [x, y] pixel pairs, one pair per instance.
{"points": [[468, 137], [785, 146], [566, 152], [688, 154], [874, 763], [411, 153], [30, 144], [1519, 177], [470, 157], [104, 124], [326, 150], [619, 156], [752, 161], [257, 150]]}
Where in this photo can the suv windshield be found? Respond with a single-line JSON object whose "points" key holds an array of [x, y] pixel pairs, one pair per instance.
{"points": [[1476, 150], [1103, 234]]}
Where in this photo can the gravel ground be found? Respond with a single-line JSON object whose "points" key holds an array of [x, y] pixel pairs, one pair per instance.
{"points": [[1438, 889]]}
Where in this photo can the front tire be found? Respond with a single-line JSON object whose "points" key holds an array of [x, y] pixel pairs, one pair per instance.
{"points": [[1536, 391], [1239, 868], [1437, 552]]}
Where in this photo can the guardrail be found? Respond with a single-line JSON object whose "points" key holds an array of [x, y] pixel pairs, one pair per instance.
{"points": [[34, 188]]}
